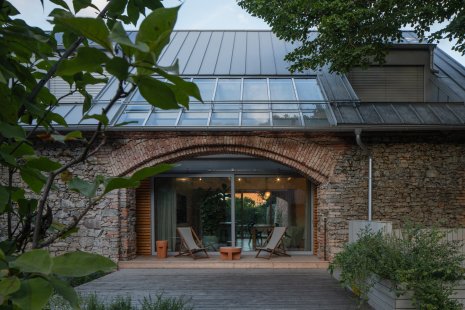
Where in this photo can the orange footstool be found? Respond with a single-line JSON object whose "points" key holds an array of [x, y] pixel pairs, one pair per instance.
{"points": [[230, 253]]}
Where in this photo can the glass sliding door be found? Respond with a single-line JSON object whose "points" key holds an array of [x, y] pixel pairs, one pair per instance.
{"points": [[266, 202], [203, 203], [260, 204]]}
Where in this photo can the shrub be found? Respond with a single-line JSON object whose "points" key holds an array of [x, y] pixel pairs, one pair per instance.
{"points": [[93, 302], [421, 260]]}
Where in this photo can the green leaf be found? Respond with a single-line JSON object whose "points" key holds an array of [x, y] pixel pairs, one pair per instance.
{"points": [[27, 206], [57, 118], [33, 178], [65, 290], [12, 131], [73, 135], [8, 286], [34, 261], [87, 59], [99, 117], [150, 171], [157, 93], [118, 67], [61, 3], [11, 160], [33, 294], [43, 164], [4, 198], [119, 35], [91, 28], [87, 189], [117, 183], [82, 4], [79, 264], [188, 88], [155, 31]]}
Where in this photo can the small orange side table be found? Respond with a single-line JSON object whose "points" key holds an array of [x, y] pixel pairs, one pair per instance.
{"points": [[230, 253]]}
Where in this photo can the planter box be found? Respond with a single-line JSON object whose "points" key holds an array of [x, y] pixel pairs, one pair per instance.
{"points": [[383, 297]]}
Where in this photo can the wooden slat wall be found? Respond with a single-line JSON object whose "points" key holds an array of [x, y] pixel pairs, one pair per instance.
{"points": [[315, 220], [143, 231], [388, 83]]}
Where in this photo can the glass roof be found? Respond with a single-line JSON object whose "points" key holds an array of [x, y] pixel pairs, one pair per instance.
{"points": [[233, 102]]}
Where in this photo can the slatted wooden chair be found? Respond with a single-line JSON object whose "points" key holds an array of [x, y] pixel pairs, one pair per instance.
{"points": [[190, 243], [274, 244]]}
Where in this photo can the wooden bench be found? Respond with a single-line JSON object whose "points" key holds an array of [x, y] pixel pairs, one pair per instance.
{"points": [[230, 253]]}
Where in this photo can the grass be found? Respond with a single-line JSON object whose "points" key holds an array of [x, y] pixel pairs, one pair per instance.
{"points": [[93, 302]]}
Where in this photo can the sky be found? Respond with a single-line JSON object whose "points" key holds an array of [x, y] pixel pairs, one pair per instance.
{"points": [[194, 14]]}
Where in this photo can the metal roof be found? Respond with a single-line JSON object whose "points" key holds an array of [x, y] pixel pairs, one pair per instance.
{"points": [[260, 55]]}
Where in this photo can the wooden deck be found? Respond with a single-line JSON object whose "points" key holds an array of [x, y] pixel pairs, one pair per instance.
{"points": [[228, 288], [247, 261]]}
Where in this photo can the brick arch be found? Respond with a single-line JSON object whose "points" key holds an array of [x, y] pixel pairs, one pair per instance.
{"points": [[311, 159]]}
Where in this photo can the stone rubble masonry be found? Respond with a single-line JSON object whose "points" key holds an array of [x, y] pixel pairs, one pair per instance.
{"points": [[418, 177]]}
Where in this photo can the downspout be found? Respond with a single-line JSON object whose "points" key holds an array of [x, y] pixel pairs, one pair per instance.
{"points": [[358, 138]]}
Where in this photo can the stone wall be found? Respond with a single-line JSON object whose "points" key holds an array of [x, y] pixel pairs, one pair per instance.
{"points": [[416, 177]]}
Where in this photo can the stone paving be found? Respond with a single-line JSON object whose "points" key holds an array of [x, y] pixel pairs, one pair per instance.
{"points": [[229, 288]]}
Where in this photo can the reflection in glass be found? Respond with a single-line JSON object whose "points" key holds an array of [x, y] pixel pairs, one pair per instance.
{"points": [[134, 114], [162, 119], [206, 87], [308, 89], [265, 202], [228, 89], [224, 119], [286, 119], [255, 119], [194, 119], [201, 203], [316, 117], [281, 89], [255, 89]]}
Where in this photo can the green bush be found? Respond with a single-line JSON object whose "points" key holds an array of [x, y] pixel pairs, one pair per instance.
{"points": [[421, 260], [93, 302]]}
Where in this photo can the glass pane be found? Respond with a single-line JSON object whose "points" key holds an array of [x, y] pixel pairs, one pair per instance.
{"points": [[201, 203], [75, 115], [308, 89], [255, 89], [220, 106], [206, 87], [162, 119], [282, 89], [224, 119], [256, 106], [135, 119], [285, 106], [316, 117], [197, 105], [228, 89], [263, 203], [194, 119], [286, 119], [255, 119]]}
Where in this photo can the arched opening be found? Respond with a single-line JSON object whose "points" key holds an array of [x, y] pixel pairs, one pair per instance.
{"points": [[228, 199]]}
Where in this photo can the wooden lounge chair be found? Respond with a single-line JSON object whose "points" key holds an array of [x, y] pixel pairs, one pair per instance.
{"points": [[274, 244], [190, 243]]}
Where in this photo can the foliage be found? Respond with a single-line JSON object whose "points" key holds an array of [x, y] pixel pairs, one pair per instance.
{"points": [[421, 260], [213, 210], [29, 280], [92, 302], [354, 33], [92, 51]]}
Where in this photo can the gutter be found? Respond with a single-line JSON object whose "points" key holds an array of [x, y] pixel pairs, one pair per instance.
{"points": [[358, 138]]}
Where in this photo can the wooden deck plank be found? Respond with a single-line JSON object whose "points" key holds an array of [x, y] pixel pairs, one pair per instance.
{"points": [[229, 288]]}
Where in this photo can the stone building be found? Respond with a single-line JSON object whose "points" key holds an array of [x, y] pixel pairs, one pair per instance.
{"points": [[268, 148]]}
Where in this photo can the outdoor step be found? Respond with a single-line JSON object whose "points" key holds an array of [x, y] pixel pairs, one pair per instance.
{"points": [[246, 262]]}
